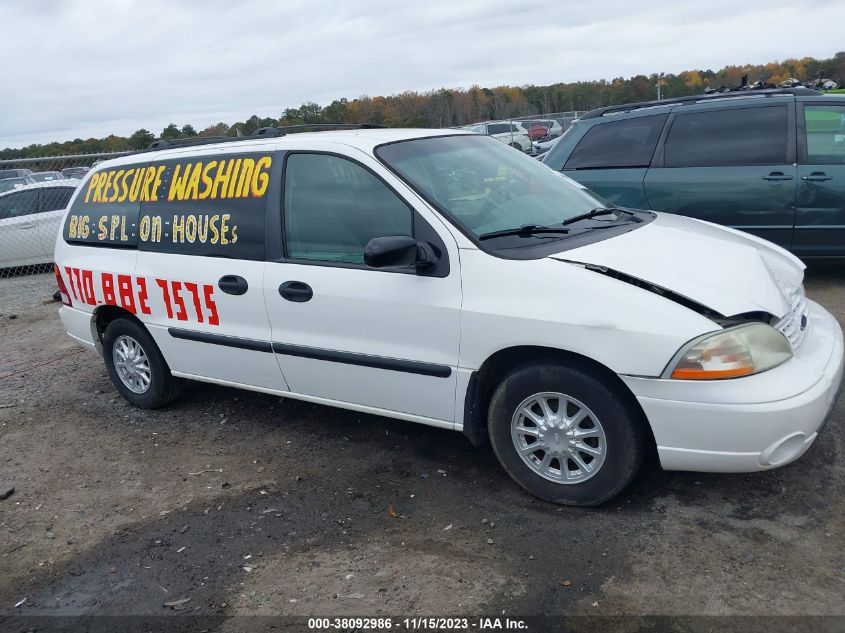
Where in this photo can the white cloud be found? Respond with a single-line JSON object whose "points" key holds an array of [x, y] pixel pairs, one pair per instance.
{"points": [[80, 68]]}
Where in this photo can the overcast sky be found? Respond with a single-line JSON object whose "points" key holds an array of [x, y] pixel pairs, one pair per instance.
{"points": [[82, 68]]}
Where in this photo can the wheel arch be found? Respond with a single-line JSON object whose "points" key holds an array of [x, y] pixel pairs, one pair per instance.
{"points": [[105, 314], [486, 378]]}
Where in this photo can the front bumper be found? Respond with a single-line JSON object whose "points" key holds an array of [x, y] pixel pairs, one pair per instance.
{"points": [[747, 424]]}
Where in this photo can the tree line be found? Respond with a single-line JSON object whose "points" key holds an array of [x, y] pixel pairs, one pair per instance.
{"points": [[448, 107]]}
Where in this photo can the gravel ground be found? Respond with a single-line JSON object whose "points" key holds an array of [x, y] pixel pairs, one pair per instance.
{"points": [[250, 504]]}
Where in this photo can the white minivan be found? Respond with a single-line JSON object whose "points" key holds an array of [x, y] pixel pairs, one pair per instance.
{"points": [[442, 278]]}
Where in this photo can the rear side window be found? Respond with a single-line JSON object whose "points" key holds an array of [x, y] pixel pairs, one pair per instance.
{"points": [[626, 143], [744, 136], [212, 205], [333, 207], [55, 198], [15, 205], [502, 128]]}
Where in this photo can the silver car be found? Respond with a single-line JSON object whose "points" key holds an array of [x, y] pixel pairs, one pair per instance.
{"points": [[30, 216]]}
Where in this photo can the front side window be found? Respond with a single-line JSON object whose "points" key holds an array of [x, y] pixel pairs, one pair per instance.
{"points": [[742, 136], [15, 205], [333, 207], [627, 143], [824, 126]]}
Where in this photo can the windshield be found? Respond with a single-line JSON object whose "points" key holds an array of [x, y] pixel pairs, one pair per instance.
{"points": [[487, 186]]}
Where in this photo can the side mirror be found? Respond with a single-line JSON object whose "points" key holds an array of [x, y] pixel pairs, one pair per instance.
{"points": [[398, 251]]}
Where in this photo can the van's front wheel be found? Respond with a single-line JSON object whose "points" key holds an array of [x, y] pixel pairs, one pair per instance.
{"points": [[564, 435], [136, 367]]}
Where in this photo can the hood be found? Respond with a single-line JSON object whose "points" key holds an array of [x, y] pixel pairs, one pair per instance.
{"points": [[728, 271]]}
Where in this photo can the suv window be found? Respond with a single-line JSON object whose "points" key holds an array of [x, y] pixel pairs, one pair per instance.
{"points": [[825, 129], [333, 207], [17, 204], [626, 143], [502, 128], [55, 198], [742, 136]]}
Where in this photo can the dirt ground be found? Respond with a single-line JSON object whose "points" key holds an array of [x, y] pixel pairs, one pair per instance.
{"points": [[250, 504]]}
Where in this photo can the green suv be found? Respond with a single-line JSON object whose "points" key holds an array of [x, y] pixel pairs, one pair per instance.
{"points": [[770, 162]]}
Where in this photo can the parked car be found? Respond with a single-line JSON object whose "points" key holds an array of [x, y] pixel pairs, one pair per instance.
{"points": [[504, 131], [541, 130], [75, 172], [8, 184], [541, 147], [769, 162], [438, 277], [46, 176], [14, 173], [30, 218]]}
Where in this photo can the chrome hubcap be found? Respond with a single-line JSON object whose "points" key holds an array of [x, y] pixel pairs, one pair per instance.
{"points": [[132, 364], [558, 437]]}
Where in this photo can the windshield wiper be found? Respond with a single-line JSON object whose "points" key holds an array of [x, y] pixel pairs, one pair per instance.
{"points": [[525, 230], [597, 212]]}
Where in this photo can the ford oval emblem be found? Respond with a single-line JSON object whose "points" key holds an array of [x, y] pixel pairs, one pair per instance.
{"points": [[803, 322]]}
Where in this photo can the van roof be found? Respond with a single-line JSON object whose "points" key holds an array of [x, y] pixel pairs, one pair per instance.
{"points": [[363, 139], [698, 99]]}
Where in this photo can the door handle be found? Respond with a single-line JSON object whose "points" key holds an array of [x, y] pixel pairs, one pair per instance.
{"points": [[817, 176], [777, 176], [27, 226], [233, 285], [296, 291]]}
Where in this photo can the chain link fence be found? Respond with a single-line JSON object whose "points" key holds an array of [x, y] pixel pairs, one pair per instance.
{"points": [[34, 193]]}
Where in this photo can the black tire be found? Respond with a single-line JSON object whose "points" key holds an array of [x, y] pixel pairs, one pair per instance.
{"points": [[163, 387], [625, 440]]}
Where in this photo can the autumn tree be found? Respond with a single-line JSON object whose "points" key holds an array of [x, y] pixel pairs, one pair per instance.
{"points": [[141, 139], [171, 132]]}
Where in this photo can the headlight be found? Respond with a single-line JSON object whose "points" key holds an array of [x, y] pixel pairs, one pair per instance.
{"points": [[738, 351]]}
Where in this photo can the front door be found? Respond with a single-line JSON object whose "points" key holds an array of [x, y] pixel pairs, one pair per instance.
{"points": [[346, 333], [820, 216], [613, 157], [729, 165]]}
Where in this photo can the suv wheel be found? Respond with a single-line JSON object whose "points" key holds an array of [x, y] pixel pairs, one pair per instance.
{"points": [[136, 367], [564, 435]]}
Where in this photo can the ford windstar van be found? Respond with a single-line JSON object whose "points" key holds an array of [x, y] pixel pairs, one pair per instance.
{"points": [[444, 278]]}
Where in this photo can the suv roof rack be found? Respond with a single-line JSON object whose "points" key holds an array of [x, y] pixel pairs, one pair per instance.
{"points": [[714, 96], [262, 132]]}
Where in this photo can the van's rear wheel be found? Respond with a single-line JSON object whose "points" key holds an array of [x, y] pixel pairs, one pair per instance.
{"points": [[564, 435], [136, 367]]}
